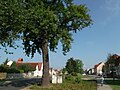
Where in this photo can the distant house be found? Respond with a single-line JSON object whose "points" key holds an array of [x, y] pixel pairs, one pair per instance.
{"points": [[55, 75], [9, 63], [52, 72], [55, 72], [37, 65], [98, 68], [89, 71]]}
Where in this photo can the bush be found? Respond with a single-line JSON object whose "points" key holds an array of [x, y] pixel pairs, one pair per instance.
{"points": [[69, 78], [3, 68], [74, 74], [21, 71], [78, 79], [74, 79], [12, 70]]}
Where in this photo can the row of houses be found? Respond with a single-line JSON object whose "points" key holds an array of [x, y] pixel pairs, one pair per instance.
{"points": [[97, 70], [38, 68], [113, 67]]}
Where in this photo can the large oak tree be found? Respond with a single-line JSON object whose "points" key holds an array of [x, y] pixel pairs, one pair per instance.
{"points": [[41, 24]]}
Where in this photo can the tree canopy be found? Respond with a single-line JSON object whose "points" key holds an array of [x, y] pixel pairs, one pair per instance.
{"points": [[112, 62], [41, 24], [74, 66]]}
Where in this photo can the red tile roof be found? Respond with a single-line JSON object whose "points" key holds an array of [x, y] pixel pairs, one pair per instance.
{"points": [[33, 64], [97, 65]]}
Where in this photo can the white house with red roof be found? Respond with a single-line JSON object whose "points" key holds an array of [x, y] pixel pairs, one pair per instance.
{"points": [[98, 68], [37, 65]]}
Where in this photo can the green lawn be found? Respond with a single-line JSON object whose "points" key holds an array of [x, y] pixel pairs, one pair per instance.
{"points": [[86, 76], [1, 82], [114, 84], [67, 85]]}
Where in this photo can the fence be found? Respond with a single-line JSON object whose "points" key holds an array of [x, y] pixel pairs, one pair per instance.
{"points": [[3, 75], [15, 75]]}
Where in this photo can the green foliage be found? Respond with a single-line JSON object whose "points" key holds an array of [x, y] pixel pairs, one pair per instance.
{"points": [[63, 70], [9, 23], [74, 66], [13, 64], [111, 63], [114, 84], [12, 70], [21, 71], [3, 68], [26, 67], [41, 24], [6, 61], [78, 79], [74, 79], [38, 20], [85, 85], [74, 73], [69, 78]]}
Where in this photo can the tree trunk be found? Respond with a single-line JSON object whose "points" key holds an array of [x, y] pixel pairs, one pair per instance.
{"points": [[45, 55]]}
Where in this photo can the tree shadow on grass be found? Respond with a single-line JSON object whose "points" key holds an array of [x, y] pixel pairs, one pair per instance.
{"points": [[23, 82], [113, 82]]}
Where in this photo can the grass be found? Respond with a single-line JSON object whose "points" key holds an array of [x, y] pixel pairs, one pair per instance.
{"points": [[2, 82], [86, 76], [115, 84], [68, 85]]}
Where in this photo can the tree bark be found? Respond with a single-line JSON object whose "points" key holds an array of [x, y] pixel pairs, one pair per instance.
{"points": [[45, 55]]}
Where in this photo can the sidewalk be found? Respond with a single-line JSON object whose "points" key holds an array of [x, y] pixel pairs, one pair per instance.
{"points": [[104, 87]]}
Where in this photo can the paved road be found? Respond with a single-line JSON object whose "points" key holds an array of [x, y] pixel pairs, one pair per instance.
{"points": [[104, 87], [99, 87], [19, 84]]}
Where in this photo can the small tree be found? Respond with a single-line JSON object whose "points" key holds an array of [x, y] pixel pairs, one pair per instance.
{"points": [[3, 68], [74, 66], [13, 65], [112, 62], [6, 61]]}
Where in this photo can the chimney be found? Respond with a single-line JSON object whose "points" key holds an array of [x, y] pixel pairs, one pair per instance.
{"points": [[20, 60]]}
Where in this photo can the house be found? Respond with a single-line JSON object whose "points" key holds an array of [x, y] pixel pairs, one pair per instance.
{"points": [[9, 63], [37, 65], [52, 72], [98, 68], [55, 72], [55, 75], [89, 71]]}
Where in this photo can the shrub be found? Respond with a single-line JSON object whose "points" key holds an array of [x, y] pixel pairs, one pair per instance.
{"points": [[12, 70], [74, 79], [78, 79], [74, 74], [21, 71], [69, 78]]}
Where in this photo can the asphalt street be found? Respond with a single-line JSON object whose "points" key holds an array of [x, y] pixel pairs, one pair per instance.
{"points": [[19, 84]]}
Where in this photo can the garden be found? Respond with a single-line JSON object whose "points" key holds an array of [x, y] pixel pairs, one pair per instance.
{"points": [[70, 83]]}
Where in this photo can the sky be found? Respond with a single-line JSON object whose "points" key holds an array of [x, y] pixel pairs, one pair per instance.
{"points": [[92, 44]]}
